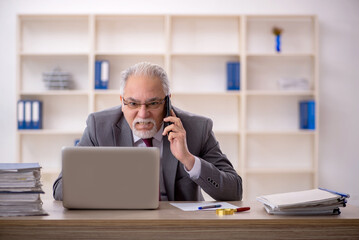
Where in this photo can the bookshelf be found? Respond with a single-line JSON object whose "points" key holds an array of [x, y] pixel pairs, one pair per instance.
{"points": [[257, 127]]}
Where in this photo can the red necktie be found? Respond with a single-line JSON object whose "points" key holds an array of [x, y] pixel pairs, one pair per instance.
{"points": [[147, 141]]}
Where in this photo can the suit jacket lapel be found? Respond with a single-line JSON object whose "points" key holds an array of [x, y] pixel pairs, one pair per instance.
{"points": [[122, 133], [169, 165]]}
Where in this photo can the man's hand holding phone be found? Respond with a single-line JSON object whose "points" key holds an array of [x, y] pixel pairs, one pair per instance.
{"points": [[178, 142]]}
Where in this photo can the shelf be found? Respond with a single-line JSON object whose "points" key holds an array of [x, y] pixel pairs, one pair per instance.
{"points": [[33, 67], [124, 53], [279, 93], [176, 93], [210, 73], [256, 127], [107, 92], [55, 93], [297, 35], [280, 55], [51, 54], [43, 34], [228, 93], [281, 132], [222, 110], [264, 73], [130, 34], [281, 17], [204, 33], [199, 54], [49, 132]]}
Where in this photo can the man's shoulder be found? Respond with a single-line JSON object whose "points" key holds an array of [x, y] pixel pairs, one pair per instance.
{"points": [[188, 116], [109, 113]]}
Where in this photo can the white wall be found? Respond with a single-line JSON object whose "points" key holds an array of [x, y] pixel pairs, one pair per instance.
{"points": [[339, 67]]}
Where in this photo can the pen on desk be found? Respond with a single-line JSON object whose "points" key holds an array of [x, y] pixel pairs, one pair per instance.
{"points": [[210, 206], [242, 209]]}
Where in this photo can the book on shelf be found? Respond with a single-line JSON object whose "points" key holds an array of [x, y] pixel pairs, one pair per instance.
{"points": [[310, 202], [307, 114], [233, 76], [20, 189], [29, 114], [102, 74]]}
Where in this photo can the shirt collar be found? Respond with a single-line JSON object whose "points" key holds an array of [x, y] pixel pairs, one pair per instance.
{"points": [[158, 136]]}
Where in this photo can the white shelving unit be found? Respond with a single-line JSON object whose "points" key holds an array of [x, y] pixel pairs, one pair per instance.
{"points": [[257, 127]]}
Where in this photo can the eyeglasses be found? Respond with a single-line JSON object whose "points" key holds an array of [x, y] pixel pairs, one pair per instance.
{"points": [[149, 105]]}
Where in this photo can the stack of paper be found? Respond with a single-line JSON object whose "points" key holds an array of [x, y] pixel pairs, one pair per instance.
{"points": [[293, 84], [57, 79], [20, 189], [310, 202]]}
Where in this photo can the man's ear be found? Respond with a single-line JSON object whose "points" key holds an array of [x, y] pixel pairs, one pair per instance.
{"points": [[121, 98]]}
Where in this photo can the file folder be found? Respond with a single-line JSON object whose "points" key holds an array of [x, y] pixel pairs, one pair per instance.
{"points": [[28, 114], [20, 115], [233, 76], [105, 72], [307, 114], [102, 74], [97, 74], [36, 114]]}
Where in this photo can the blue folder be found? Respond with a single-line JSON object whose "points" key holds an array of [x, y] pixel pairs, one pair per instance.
{"points": [[307, 114], [28, 105], [102, 74], [36, 114], [20, 114], [233, 76]]}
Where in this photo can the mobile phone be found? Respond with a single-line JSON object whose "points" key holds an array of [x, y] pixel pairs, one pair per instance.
{"points": [[168, 108]]}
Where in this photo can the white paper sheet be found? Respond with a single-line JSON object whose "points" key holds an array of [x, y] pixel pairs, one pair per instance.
{"points": [[193, 206]]}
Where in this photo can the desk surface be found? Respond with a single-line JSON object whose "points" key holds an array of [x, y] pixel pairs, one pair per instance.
{"points": [[169, 222]]}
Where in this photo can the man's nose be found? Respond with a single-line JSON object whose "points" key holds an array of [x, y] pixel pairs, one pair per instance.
{"points": [[143, 112]]}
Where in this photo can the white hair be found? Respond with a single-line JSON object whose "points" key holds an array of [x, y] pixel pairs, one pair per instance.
{"points": [[145, 69]]}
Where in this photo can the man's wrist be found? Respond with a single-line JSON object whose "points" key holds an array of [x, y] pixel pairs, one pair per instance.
{"points": [[196, 169], [189, 162]]}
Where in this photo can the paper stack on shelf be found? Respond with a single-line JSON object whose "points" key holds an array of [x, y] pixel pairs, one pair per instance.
{"points": [[20, 189], [311, 202], [57, 80], [293, 84]]}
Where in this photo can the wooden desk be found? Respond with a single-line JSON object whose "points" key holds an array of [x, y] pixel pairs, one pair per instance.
{"points": [[169, 222]]}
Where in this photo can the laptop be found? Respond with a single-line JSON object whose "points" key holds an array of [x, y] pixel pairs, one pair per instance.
{"points": [[110, 177]]}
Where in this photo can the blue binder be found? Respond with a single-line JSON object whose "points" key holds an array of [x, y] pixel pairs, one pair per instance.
{"points": [[20, 114], [233, 75], [36, 114], [307, 114], [311, 115], [28, 122], [29, 114], [102, 74], [97, 74]]}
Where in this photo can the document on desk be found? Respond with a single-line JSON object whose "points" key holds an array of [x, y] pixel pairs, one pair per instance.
{"points": [[309, 202], [193, 206]]}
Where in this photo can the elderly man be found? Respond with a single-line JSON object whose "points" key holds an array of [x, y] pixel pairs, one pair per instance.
{"points": [[190, 155]]}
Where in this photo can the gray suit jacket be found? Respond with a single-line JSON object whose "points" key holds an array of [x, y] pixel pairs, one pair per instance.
{"points": [[217, 178]]}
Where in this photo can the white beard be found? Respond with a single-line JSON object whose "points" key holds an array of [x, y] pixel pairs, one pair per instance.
{"points": [[141, 133]]}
